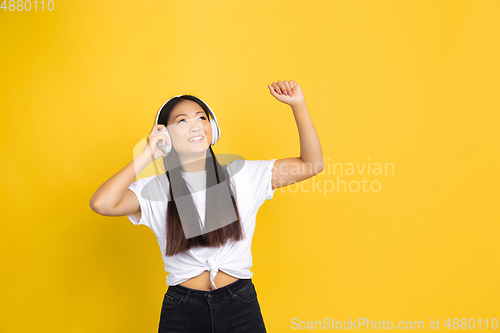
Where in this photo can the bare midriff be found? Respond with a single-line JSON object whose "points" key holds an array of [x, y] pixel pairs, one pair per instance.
{"points": [[202, 281]]}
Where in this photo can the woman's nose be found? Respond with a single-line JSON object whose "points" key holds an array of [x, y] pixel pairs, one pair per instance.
{"points": [[196, 126]]}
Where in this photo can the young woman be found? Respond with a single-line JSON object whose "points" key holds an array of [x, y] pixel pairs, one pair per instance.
{"points": [[203, 213]]}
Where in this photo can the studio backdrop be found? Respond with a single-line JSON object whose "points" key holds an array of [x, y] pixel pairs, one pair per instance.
{"points": [[401, 226]]}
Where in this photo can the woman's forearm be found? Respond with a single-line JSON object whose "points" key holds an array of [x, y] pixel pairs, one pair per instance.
{"points": [[310, 147], [112, 191]]}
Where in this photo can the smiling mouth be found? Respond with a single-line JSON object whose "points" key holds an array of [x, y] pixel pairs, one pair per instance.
{"points": [[196, 139]]}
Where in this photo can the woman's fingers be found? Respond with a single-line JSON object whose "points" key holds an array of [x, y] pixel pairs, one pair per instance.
{"points": [[162, 133], [156, 128], [158, 133], [276, 87], [156, 139], [273, 91], [288, 87], [284, 87], [162, 136]]}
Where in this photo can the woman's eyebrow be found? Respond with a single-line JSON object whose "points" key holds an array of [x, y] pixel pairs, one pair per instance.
{"points": [[183, 114]]}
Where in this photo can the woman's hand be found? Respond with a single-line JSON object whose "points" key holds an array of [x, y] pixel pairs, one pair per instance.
{"points": [[288, 92], [154, 137]]}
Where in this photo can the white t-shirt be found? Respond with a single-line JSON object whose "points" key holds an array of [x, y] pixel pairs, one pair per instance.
{"points": [[251, 183]]}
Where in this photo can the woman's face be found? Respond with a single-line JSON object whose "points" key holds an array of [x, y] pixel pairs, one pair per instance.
{"points": [[189, 129]]}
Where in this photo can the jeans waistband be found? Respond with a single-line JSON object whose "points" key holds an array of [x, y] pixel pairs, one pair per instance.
{"points": [[230, 289]]}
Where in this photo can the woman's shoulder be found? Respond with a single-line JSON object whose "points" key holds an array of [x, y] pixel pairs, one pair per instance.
{"points": [[241, 166], [234, 167], [152, 180], [154, 188]]}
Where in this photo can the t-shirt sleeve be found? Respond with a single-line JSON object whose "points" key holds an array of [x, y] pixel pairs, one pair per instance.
{"points": [[260, 175], [150, 193]]}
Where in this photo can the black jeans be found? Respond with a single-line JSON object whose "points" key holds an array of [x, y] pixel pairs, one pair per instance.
{"points": [[230, 309]]}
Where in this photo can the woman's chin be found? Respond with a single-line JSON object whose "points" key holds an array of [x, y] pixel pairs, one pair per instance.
{"points": [[200, 149]]}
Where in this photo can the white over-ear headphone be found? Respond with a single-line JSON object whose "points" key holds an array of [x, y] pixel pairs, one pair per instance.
{"points": [[216, 132]]}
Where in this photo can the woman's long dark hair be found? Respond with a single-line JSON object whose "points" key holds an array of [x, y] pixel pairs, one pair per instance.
{"points": [[217, 203]]}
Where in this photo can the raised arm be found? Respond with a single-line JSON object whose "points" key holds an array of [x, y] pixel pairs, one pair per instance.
{"points": [[295, 169], [113, 198]]}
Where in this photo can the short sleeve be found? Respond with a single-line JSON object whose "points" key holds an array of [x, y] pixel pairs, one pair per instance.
{"points": [[260, 175], [151, 194]]}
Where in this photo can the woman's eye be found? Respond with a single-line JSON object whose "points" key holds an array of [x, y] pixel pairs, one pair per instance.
{"points": [[185, 119]]}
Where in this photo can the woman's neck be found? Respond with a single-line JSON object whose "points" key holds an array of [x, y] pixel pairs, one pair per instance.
{"points": [[193, 164]]}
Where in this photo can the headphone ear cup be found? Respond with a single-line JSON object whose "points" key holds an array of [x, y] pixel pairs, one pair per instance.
{"points": [[169, 147], [215, 131]]}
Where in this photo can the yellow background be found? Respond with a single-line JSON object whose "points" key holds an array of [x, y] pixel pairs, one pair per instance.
{"points": [[412, 83]]}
